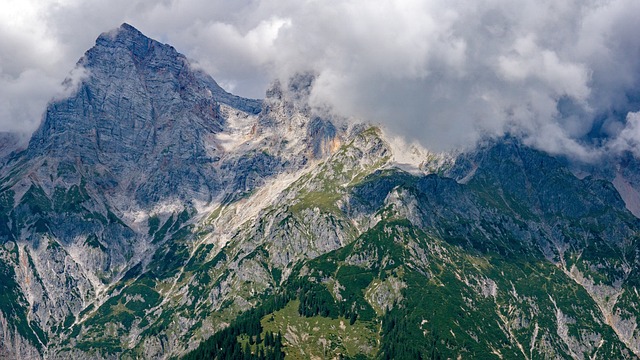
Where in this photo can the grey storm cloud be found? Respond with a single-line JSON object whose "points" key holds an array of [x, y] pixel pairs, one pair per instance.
{"points": [[562, 75]]}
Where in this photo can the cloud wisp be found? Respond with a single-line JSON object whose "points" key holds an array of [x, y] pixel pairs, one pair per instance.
{"points": [[561, 75]]}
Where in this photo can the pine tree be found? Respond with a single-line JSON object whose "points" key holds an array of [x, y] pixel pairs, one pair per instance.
{"points": [[247, 351], [353, 317]]}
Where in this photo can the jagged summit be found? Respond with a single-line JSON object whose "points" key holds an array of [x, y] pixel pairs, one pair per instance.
{"points": [[142, 48], [142, 120], [134, 81], [125, 33], [146, 124], [125, 30]]}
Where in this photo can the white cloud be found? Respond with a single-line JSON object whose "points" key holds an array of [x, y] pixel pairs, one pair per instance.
{"points": [[442, 73], [629, 138]]}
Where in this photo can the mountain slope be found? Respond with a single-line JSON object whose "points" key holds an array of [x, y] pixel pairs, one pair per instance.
{"points": [[152, 211], [144, 139], [496, 267]]}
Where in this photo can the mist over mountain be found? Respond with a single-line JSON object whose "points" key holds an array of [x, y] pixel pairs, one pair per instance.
{"points": [[562, 77], [155, 215]]}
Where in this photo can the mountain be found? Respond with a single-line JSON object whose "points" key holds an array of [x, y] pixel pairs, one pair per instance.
{"points": [[154, 215]]}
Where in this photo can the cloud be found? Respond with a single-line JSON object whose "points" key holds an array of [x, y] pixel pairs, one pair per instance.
{"points": [[561, 75], [628, 139]]}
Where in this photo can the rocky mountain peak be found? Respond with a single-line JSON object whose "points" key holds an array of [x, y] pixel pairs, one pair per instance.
{"points": [[145, 124], [142, 108], [144, 51], [124, 34], [127, 41]]}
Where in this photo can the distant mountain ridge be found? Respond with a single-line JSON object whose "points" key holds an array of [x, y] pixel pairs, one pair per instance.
{"points": [[154, 215]]}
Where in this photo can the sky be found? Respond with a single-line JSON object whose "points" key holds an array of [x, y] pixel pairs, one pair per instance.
{"points": [[564, 76]]}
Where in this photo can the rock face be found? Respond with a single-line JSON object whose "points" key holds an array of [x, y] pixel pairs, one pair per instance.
{"points": [[141, 142], [140, 120], [151, 208]]}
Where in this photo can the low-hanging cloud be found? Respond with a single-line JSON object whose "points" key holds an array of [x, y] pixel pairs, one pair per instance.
{"points": [[561, 75]]}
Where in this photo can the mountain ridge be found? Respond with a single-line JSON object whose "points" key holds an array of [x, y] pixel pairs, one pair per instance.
{"points": [[152, 208]]}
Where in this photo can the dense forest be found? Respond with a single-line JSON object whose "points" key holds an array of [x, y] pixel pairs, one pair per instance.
{"points": [[224, 345], [397, 337]]}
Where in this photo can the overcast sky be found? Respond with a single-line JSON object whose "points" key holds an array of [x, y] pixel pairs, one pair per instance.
{"points": [[444, 73]]}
